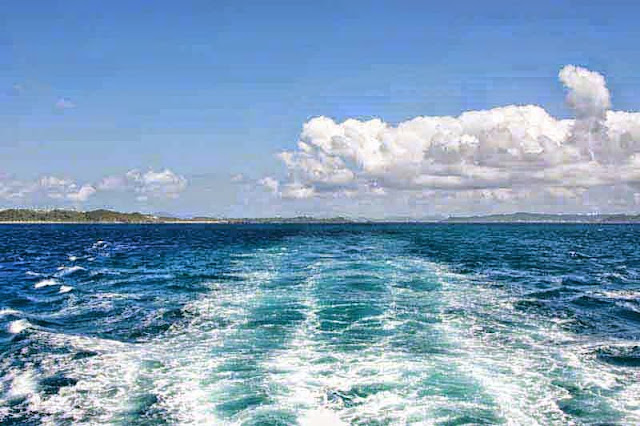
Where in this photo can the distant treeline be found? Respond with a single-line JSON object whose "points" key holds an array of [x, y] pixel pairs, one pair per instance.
{"points": [[546, 218], [109, 216]]}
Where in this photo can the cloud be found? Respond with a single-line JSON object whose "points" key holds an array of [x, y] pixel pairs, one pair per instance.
{"points": [[82, 194], [270, 184], [160, 184], [112, 183], [53, 182], [238, 178], [149, 184], [65, 189], [13, 189], [46, 187], [587, 91], [64, 103], [503, 154]]}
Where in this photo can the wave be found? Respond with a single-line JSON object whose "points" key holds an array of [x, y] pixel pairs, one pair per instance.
{"points": [[18, 326], [46, 283], [317, 332], [68, 270]]}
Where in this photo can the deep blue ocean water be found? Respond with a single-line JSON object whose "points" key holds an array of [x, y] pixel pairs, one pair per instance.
{"points": [[320, 324]]}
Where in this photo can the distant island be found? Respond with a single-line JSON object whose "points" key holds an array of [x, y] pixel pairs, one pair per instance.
{"points": [[546, 218], [109, 216]]}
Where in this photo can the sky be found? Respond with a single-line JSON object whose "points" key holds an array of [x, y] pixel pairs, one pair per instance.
{"points": [[359, 108]]}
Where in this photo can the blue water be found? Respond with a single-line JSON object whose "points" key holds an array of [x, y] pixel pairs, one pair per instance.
{"points": [[320, 324]]}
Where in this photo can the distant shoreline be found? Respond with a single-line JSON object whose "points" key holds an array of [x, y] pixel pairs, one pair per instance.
{"points": [[354, 222], [109, 217]]}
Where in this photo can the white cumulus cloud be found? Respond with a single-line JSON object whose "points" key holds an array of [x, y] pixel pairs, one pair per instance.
{"points": [[163, 184], [149, 184], [82, 194], [507, 153], [65, 189]]}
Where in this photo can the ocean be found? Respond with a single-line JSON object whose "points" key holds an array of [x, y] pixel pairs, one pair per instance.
{"points": [[368, 324]]}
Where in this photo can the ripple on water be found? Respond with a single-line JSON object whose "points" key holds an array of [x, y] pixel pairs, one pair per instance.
{"points": [[320, 327]]}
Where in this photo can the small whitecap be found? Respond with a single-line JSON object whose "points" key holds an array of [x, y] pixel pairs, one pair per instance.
{"points": [[99, 244], [4, 312], [18, 326], [32, 274], [45, 283], [66, 270], [73, 258], [22, 384], [65, 289]]}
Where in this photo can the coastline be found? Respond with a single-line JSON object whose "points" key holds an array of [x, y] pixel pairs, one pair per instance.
{"points": [[285, 222]]}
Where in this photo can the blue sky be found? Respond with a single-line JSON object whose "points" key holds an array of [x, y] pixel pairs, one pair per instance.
{"points": [[213, 89]]}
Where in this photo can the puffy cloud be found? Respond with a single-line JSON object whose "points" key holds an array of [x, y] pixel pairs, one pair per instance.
{"points": [[82, 194], [270, 183], [587, 91], [149, 184], [12, 189], [502, 154], [163, 184], [160, 184], [65, 189]]}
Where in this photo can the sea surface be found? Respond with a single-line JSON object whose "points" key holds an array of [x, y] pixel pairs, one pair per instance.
{"points": [[320, 324]]}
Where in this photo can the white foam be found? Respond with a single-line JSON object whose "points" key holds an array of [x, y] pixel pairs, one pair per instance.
{"points": [[99, 244], [321, 417], [23, 383], [512, 367], [73, 258], [46, 283], [65, 289], [18, 326], [67, 270], [177, 367], [319, 383], [8, 311], [619, 294], [33, 274], [520, 365]]}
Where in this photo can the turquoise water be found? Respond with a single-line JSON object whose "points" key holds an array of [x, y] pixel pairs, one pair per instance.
{"points": [[320, 324]]}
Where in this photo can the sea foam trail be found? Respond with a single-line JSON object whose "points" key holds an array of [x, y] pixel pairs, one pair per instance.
{"points": [[311, 330], [537, 372], [382, 381], [182, 372]]}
